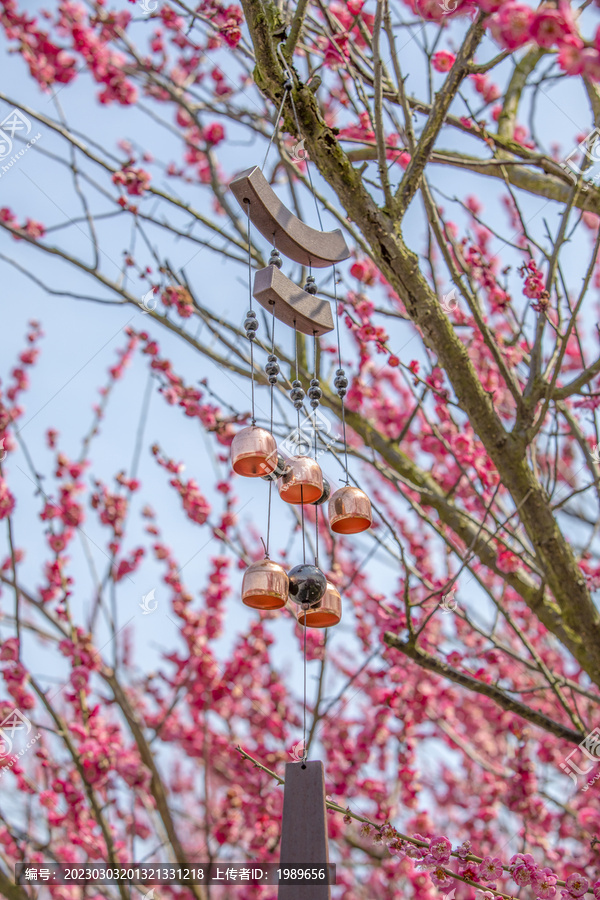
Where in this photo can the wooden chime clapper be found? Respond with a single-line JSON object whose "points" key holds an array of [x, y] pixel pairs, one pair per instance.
{"points": [[304, 829]]}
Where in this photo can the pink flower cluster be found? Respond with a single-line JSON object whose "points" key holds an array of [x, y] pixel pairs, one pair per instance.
{"points": [[513, 24], [194, 502], [11, 411], [226, 20], [48, 63], [175, 391], [179, 297], [135, 181], [30, 227]]}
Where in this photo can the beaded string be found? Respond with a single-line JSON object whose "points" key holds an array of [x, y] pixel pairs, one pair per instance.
{"points": [[272, 370], [251, 322], [297, 397], [340, 382], [315, 393], [297, 393]]}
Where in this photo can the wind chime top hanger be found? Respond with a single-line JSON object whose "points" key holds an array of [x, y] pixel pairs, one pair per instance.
{"points": [[294, 239]]}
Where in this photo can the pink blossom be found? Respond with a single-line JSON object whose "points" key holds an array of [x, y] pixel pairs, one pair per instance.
{"points": [[214, 134], [364, 270], [440, 878], [490, 868], [577, 885], [34, 229], [9, 650], [443, 60], [543, 882], [7, 501], [522, 867], [552, 26], [439, 849], [511, 25]]}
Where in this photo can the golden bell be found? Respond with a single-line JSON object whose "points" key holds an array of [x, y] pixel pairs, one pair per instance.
{"points": [[253, 452], [327, 612], [302, 482], [265, 585], [349, 511]]}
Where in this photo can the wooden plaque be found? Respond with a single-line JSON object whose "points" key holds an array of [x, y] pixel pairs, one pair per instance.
{"points": [[304, 841], [311, 314], [286, 231]]}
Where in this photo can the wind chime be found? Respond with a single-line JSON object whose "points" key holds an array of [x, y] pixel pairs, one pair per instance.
{"points": [[254, 453]]}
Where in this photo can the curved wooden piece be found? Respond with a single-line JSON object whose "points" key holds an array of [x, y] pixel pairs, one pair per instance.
{"points": [[311, 314], [291, 236]]}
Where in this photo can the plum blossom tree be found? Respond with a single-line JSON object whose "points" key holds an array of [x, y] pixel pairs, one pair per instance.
{"points": [[460, 749]]}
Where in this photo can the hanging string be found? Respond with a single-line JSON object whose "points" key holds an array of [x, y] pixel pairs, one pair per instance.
{"points": [[277, 120], [315, 394], [272, 379], [317, 536], [305, 753], [302, 522], [251, 323], [268, 521], [340, 381], [298, 130], [297, 381], [316, 430]]}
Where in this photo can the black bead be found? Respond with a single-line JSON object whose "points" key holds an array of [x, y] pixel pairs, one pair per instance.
{"points": [[275, 259], [297, 394], [307, 584], [311, 285], [315, 393], [325, 495], [277, 471]]}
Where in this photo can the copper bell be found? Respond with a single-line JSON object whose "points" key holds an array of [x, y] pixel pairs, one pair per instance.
{"points": [[302, 482], [327, 612], [265, 585], [253, 452], [349, 511]]}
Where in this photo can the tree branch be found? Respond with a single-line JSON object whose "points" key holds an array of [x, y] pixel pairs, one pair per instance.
{"points": [[480, 687]]}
